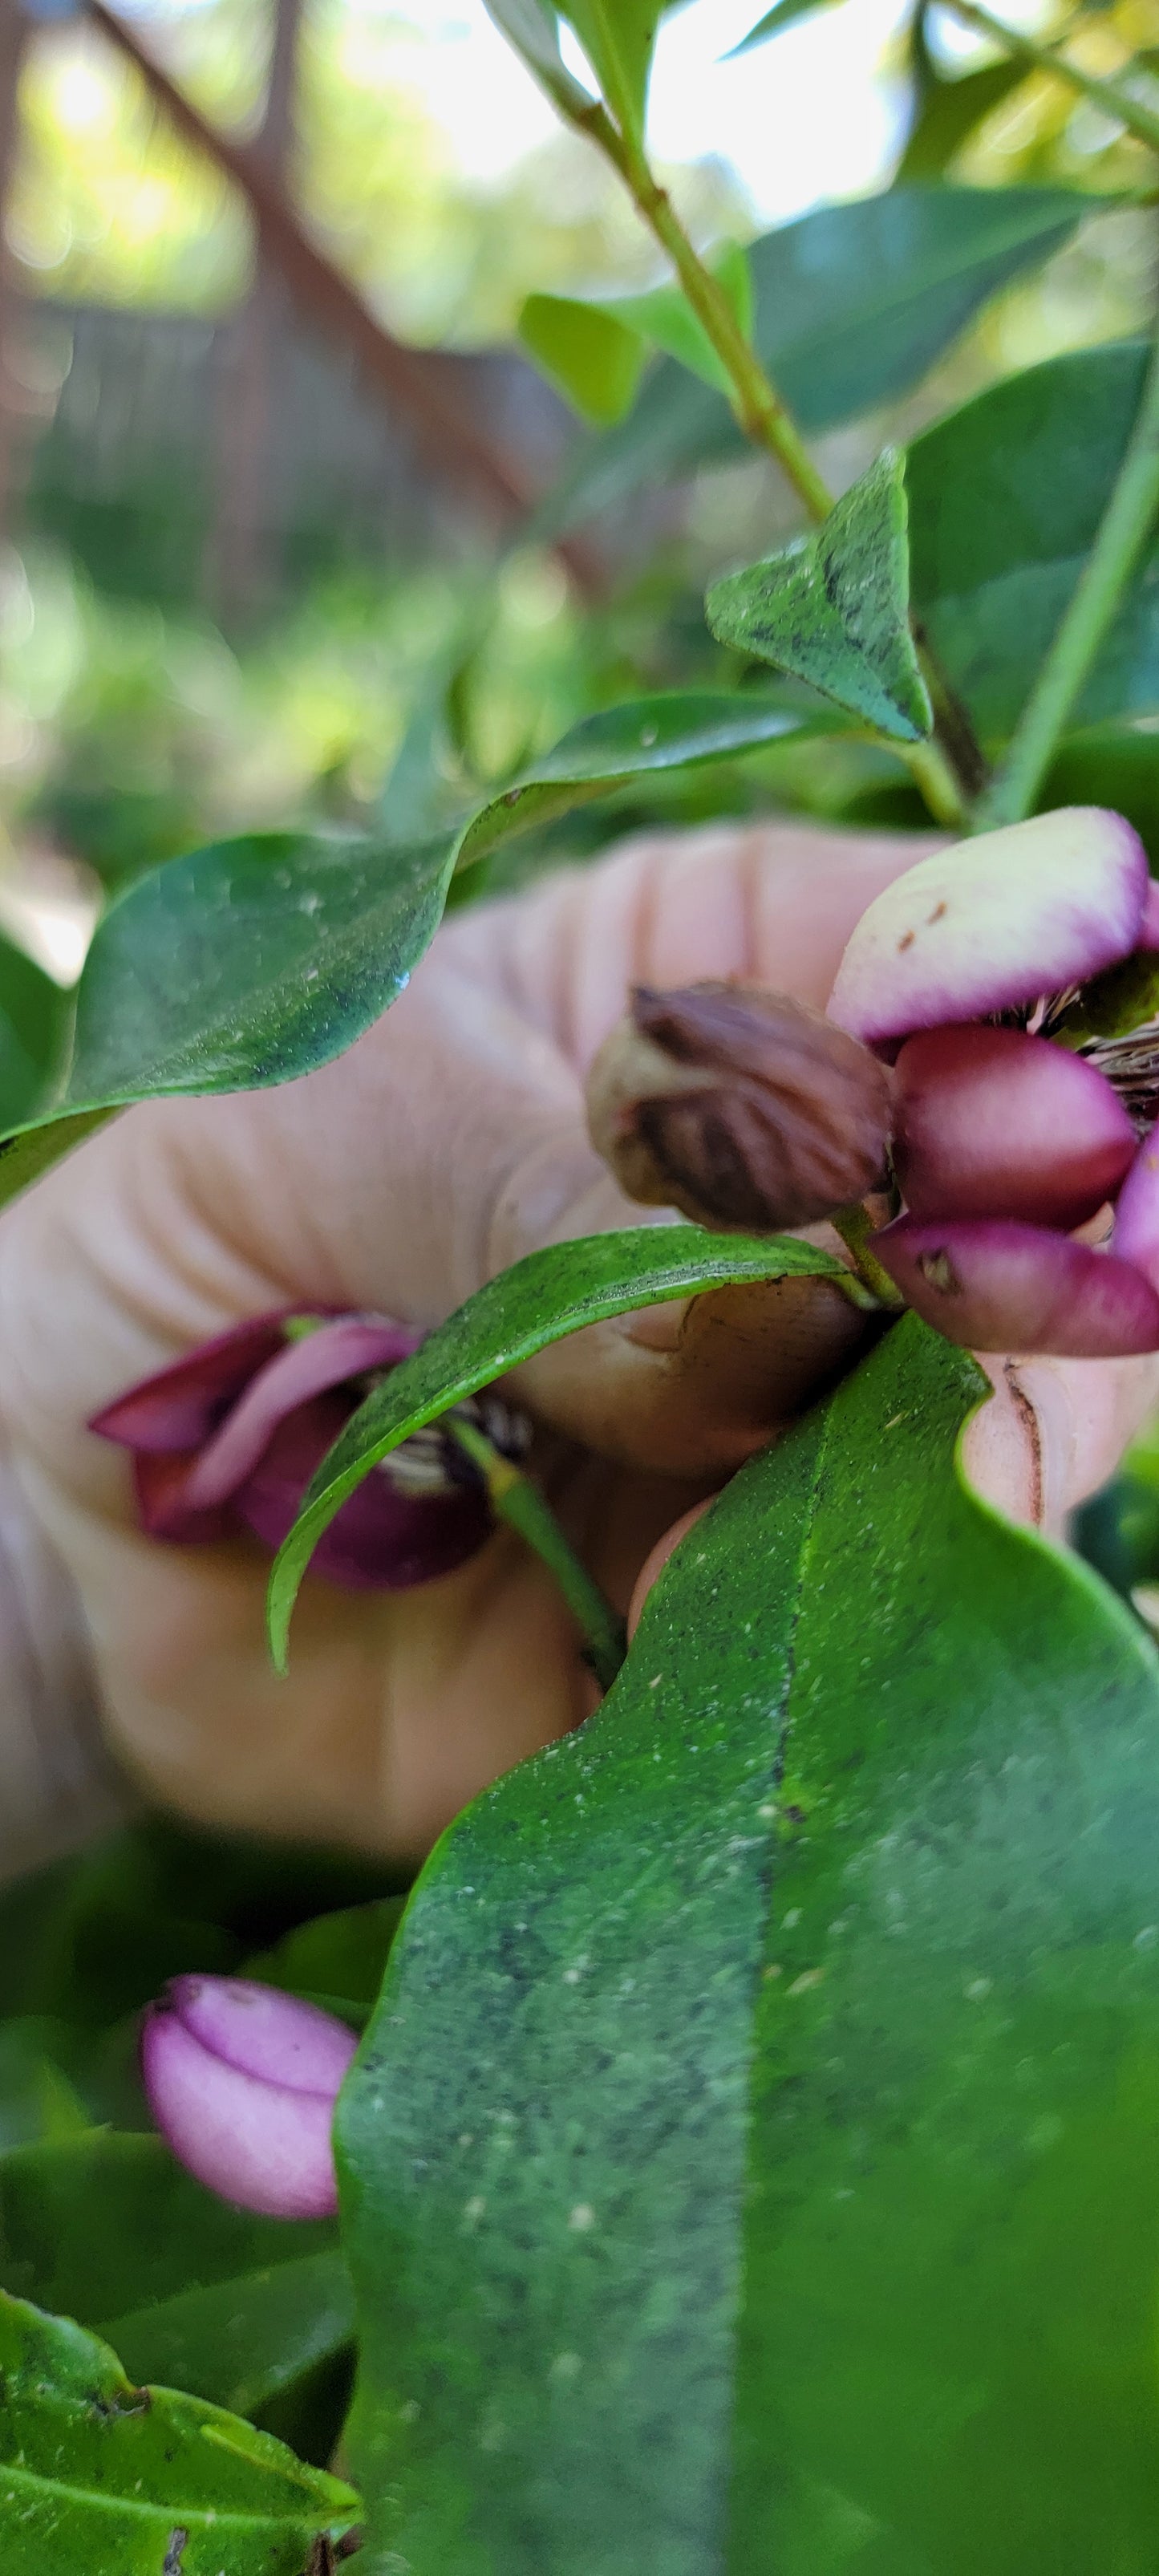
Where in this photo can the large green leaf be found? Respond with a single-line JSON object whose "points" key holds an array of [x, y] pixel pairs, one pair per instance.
{"points": [[257, 959], [833, 608], [1005, 496], [750, 2169], [98, 2478], [852, 304], [539, 1300]]}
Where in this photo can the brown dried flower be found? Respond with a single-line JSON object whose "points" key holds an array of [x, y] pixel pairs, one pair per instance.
{"points": [[739, 1106]]}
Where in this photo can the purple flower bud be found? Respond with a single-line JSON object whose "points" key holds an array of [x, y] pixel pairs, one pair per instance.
{"points": [[1136, 1234], [242, 2081], [229, 1438], [993, 1123], [738, 1105], [994, 923], [995, 1286]]}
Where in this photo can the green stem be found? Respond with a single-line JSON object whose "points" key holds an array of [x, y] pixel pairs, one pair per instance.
{"points": [[761, 413], [1122, 532], [514, 1499], [856, 1232], [1138, 120]]}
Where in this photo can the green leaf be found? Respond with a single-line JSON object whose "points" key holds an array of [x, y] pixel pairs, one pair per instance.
{"points": [[833, 608], [98, 2478], [949, 112], [1005, 497], [671, 730], [784, 13], [34, 1019], [540, 1300], [587, 351], [256, 960], [532, 27], [618, 36], [1115, 765], [851, 305], [750, 2169], [338, 1960], [189, 2291], [665, 317]]}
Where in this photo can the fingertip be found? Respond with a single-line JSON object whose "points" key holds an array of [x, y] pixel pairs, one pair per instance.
{"points": [[654, 1564]]}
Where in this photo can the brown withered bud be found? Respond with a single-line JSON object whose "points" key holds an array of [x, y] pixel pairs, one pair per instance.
{"points": [[738, 1106]]}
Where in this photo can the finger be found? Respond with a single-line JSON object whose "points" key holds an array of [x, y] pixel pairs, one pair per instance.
{"points": [[449, 1142], [1054, 1431]]}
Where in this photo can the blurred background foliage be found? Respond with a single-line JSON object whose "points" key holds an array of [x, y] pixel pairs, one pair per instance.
{"points": [[154, 688]]}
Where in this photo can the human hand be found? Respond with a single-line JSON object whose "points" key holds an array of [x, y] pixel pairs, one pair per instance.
{"points": [[448, 1142]]}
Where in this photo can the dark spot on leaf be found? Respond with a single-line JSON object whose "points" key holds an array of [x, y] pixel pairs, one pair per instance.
{"points": [[171, 2563]]}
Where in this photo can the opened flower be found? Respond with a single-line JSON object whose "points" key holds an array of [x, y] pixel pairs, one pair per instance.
{"points": [[229, 1438], [242, 2081]]}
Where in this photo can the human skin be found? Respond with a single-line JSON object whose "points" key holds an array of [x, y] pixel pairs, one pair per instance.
{"points": [[446, 1144]]}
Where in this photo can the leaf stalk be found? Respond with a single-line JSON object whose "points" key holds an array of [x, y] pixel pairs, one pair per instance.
{"points": [[515, 1499]]}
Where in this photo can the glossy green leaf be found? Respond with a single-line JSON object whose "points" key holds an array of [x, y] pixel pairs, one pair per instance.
{"points": [[540, 1300], [585, 350], [1005, 497], [671, 730], [833, 608], [750, 2169], [851, 305], [618, 36], [189, 2291], [98, 2478], [255, 960]]}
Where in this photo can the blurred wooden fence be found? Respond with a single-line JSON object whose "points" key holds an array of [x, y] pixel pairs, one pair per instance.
{"points": [[302, 414]]}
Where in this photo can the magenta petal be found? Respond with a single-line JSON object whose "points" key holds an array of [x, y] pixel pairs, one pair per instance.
{"points": [[263, 2032], [993, 923], [1001, 1287], [337, 1352], [1147, 935], [381, 1539], [993, 1123], [180, 1406], [259, 2145], [1136, 1235]]}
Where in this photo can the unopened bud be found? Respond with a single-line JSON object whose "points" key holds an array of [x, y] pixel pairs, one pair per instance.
{"points": [[739, 1106]]}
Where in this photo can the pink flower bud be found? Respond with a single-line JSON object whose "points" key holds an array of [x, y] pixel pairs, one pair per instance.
{"points": [[993, 1123], [993, 923], [242, 2081], [994, 1286]]}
